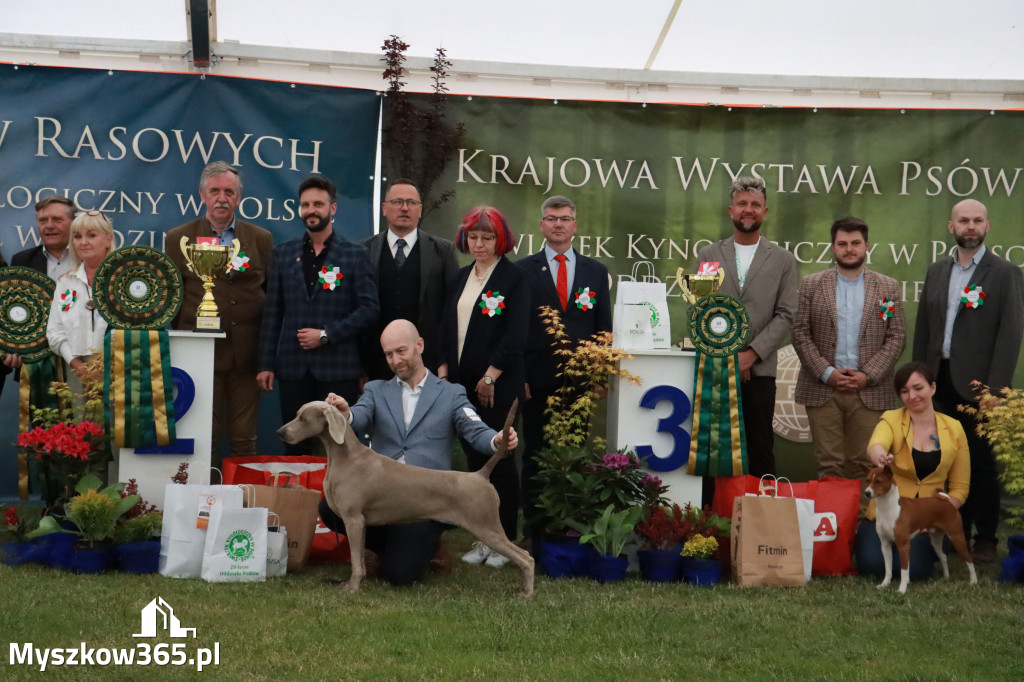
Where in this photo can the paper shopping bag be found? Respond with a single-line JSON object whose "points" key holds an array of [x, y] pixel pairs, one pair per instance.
{"points": [[236, 546], [765, 542], [640, 304], [187, 510], [277, 547], [296, 507]]}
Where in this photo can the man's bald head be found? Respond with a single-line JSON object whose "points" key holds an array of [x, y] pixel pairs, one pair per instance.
{"points": [[403, 349], [968, 223]]}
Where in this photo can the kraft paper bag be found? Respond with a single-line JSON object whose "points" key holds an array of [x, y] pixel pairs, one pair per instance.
{"points": [[236, 546], [296, 506], [766, 546], [187, 510]]}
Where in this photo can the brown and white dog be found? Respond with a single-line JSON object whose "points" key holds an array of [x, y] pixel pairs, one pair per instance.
{"points": [[898, 519]]}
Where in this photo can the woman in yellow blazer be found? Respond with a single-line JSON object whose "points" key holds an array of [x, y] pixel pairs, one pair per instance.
{"points": [[927, 452]]}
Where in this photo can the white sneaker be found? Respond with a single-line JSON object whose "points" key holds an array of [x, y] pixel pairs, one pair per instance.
{"points": [[479, 554], [496, 560]]}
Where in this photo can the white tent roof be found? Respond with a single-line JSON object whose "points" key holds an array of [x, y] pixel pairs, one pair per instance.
{"points": [[950, 52]]}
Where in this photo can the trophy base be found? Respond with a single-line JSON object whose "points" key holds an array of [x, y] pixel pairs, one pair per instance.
{"points": [[208, 324]]}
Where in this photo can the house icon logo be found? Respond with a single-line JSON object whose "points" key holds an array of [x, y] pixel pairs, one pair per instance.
{"points": [[159, 614]]}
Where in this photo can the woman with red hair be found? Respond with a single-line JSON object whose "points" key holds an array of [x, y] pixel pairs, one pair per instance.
{"points": [[485, 322]]}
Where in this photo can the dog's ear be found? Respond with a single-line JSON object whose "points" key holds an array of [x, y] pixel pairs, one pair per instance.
{"points": [[337, 425], [888, 470]]}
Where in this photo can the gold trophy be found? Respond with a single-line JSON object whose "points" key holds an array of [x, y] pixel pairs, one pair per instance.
{"points": [[207, 261], [695, 286]]}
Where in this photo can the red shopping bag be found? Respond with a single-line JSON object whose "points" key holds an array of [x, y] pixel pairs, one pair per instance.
{"points": [[836, 503]]}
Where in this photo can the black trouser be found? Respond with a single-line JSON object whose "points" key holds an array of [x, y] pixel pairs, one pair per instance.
{"points": [[504, 478], [981, 509], [534, 441], [295, 394], [758, 395], [405, 549]]}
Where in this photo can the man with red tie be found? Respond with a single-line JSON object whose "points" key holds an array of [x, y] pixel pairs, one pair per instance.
{"points": [[577, 287]]}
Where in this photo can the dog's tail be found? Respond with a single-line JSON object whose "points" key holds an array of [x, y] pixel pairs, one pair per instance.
{"points": [[486, 469]]}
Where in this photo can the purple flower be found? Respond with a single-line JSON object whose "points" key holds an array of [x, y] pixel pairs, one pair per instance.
{"points": [[650, 482], [616, 460]]}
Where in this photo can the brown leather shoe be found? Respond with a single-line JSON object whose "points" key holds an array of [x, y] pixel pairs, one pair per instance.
{"points": [[984, 552], [441, 563]]}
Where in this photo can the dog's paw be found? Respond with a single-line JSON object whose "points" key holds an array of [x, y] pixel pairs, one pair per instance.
{"points": [[348, 587], [883, 584]]}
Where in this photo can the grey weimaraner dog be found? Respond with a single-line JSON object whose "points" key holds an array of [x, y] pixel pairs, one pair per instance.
{"points": [[366, 488]]}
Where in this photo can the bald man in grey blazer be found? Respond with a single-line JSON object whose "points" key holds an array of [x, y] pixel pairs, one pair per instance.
{"points": [[763, 277]]}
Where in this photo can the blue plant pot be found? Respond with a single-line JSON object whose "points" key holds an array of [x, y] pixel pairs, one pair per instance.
{"points": [[138, 557], [58, 554], [563, 557], [702, 571], [660, 565], [605, 568], [1015, 545], [14, 553], [94, 560]]}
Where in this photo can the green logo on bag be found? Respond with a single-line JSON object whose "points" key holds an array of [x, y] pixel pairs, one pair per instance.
{"points": [[655, 317], [239, 545]]}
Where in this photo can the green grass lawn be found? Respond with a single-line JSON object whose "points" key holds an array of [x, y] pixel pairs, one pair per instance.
{"points": [[471, 625]]}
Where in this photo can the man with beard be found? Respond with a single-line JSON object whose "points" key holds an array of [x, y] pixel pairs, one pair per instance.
{"points": [[321, 298], [239, 295], [763, 277], [849, 332], [969, 326]]}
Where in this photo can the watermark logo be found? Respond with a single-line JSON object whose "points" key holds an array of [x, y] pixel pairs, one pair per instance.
{"points": [[159, 614]]}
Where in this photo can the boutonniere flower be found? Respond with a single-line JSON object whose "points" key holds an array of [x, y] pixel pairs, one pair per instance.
{"points": [[973, 296], [330, 275], [67, 299], [492, 303], [584, 299], [240, 263], [887, 308]]}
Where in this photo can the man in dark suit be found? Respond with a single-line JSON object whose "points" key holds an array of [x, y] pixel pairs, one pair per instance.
{"points": [[53, 255], [239, 295], [969, 327], [414, 270], [414, 418], [321, 299], [558, 276]]}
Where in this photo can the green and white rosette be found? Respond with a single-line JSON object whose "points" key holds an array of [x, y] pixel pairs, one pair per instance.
{"points": [[719, 329], [25, 298], [138, 290]]}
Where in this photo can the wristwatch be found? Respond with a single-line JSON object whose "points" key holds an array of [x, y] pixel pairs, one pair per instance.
{"points": [[323, 337], [488, 380]]}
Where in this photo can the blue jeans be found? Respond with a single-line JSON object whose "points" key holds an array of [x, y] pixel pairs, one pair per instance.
{"points": [[867, 552]]}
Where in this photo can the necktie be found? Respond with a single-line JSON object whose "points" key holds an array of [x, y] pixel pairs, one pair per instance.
{"points": [[399, 252], [563, 280]]}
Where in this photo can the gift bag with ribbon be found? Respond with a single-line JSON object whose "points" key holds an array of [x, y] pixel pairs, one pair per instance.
{"points": [[296, 508], [641, 318], [765, 542], [236, 545], [187, 512], [277, 547]]}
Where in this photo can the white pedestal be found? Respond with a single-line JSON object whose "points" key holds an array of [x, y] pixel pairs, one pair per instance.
{"points": [[656, 417], [152, 468]]}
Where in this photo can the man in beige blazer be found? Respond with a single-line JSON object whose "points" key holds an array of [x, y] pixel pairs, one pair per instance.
{"points": [[763, 276], [849, 333]]}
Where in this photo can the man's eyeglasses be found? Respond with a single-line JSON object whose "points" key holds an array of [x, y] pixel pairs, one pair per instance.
{"points": [[555, 219], [399, 203]]}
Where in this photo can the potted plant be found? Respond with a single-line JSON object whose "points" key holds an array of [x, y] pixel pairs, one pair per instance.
{"points": [[699, 567], [93, 514], [663, 531], [134, 545], [20, 549], [607, 536]]}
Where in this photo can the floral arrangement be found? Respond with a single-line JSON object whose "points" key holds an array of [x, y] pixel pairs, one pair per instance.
{"points": [[705, 522], [664, 527], [15, 525], [700, 547], [93, 511], [68, 452], [1000, 419]]}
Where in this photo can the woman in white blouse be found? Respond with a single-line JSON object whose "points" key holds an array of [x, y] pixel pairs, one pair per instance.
{"points": [[75, 329]]}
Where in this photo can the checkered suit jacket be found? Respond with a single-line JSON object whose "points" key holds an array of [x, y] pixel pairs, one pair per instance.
{"points": [[881, 341], [346, 312]]}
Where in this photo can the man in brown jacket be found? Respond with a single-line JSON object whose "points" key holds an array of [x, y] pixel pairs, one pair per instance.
{"points": [[849, 333], [239, 295]]}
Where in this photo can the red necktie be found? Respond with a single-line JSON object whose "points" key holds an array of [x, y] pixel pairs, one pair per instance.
{"points": [[563, 281]]}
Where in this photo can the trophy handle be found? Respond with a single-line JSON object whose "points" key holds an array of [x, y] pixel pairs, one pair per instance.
{"points": [[721, 278], [685, 290], [237, 247], [184, 252]]}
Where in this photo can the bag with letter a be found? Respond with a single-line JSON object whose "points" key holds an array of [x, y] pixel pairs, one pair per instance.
{"points": [[187, 511], [641, 318], [765, 542], [236, 546]]}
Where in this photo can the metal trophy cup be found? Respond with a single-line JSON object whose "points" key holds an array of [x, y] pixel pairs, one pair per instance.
{"points": [[698, 285], [207, 261]]}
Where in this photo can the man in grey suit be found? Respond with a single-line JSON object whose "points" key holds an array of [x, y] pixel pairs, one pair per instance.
{"points": [[413, 274], [969, 327], [763, 277], [413, 418]]}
